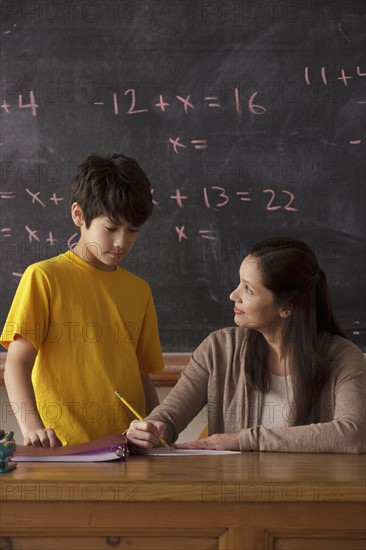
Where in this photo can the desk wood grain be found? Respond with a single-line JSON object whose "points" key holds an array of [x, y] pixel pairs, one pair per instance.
{"points": [[245, 501]]}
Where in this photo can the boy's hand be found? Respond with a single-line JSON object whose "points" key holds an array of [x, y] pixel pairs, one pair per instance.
{"points": [[145, 434], [43, 437]]}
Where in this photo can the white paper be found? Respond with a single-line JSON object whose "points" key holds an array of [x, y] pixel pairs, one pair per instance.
{"points": [[172, 451]]}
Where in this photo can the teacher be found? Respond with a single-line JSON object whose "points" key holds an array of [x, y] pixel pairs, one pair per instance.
{"points": [[285, 379]]}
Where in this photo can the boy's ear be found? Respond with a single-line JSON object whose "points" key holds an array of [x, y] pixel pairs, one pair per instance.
{"points": [[77, 215]]}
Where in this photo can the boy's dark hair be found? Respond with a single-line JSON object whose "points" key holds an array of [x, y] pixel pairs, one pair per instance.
{"points": [[114, 186]]}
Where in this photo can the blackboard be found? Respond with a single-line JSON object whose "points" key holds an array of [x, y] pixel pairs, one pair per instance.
{"points": [[248, 117]]}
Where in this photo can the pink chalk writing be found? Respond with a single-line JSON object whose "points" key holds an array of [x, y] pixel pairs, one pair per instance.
{"points": [[50, 239], [162, 104], [131, 110], [222, 194], [178, 197], [115, 104], [185, 102], [197, 144], [343, 76], [287, 206], [154, 201], [237, 100], [254, 108], [35, 197], [176, 144], [32, 105], [181, 234], [276, 202], [71, 240], [212, 98], [205, 234], [55, 199], [324, 78], [307, 80], [6, 232], [7, 195], [5, 106], [32, 234], [215, 196], [246, 198]]}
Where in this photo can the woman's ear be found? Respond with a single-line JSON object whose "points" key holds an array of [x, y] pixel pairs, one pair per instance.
{"points": [[77, 215], [286, 311]]}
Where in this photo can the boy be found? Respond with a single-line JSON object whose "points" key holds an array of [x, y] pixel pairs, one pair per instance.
{"points": [[80, 327]]}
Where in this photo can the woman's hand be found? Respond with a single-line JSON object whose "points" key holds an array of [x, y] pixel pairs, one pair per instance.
{"points": [[144, 434], [42, 437], [217, 442]]}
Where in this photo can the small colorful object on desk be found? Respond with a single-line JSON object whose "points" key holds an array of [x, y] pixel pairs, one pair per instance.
{"points": [[7, 448]]}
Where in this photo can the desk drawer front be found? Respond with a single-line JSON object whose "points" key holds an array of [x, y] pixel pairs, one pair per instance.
{"points": [[145, 539], [316, 539]]}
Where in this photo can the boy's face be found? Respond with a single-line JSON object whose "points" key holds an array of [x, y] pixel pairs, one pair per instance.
{"points": [[104, 243]]}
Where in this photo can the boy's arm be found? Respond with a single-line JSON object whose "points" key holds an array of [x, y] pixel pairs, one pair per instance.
{"points": [[18, 369], [151, 397]]}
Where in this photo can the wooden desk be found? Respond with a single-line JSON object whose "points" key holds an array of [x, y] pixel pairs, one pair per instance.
{"points": [[238, 502]]}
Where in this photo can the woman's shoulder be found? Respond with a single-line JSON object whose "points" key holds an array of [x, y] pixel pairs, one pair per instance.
{"points": [[338, 344], [229, 337], [342, 351], [221, 347]]}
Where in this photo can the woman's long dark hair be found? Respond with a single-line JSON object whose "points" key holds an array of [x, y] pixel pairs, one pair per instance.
{"points": [[290, 270]]}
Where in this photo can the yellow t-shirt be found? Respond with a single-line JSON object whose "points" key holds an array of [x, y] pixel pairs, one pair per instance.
{"points": [[95, 332]]}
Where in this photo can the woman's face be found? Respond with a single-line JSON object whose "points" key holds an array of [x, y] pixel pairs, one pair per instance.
{"points": [[254, 304]]}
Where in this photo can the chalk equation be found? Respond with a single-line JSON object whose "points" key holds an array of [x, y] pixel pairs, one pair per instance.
{"points": [[35, 198], [196, 143], [216, 196], [212, 197], [187, 104], [32, 105], [343, 76], [212, 102]]}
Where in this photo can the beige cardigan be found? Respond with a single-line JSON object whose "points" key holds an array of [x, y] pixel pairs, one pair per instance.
{"points": [[215, 375]]}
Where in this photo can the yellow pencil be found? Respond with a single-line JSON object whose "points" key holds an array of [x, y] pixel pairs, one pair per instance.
{"points": [[161, 439]]}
